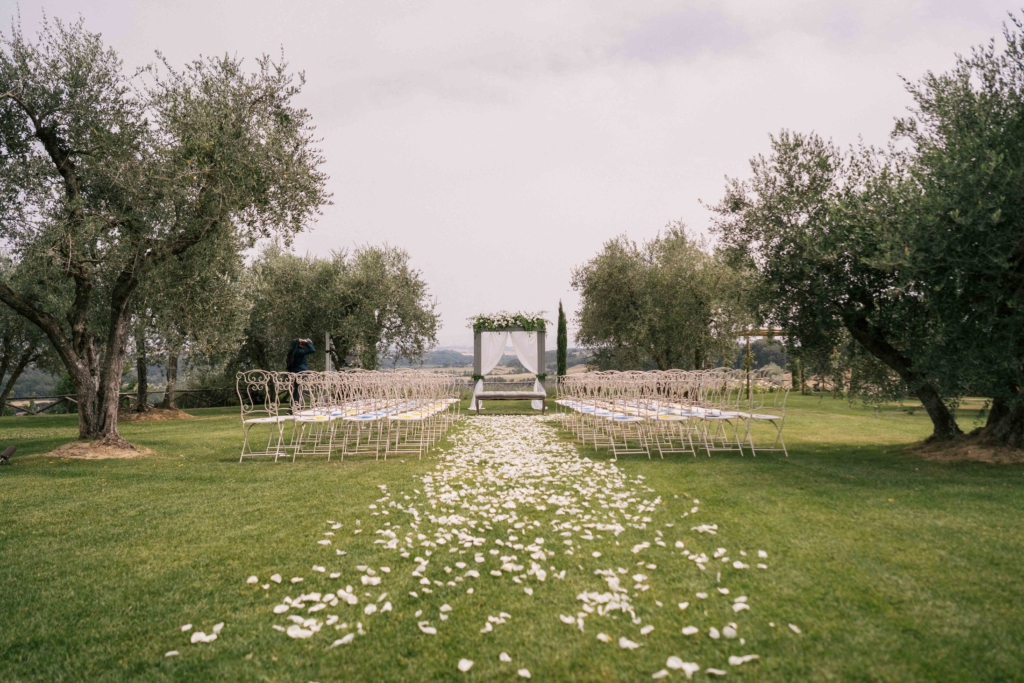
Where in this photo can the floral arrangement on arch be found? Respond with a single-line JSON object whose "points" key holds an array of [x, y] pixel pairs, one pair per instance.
{"points": [[503, 320]]}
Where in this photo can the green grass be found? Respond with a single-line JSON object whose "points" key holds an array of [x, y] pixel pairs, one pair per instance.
{"points": [[895, 568]]}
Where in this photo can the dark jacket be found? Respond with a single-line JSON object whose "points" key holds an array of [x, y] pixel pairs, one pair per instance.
{"points": [[297, 356]]}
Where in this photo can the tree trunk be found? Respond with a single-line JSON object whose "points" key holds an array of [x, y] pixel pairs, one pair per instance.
{"points": [[142, 372], [1005, 424], [944, 427], [87, 395], [112, 368], [26, 358], [369, 356], [172, 381]]}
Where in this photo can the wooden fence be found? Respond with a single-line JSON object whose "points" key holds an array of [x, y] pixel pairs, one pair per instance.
{"points": [[184, 399]]}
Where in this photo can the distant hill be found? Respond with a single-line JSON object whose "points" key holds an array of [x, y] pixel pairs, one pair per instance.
{"points": [[442, 358]]}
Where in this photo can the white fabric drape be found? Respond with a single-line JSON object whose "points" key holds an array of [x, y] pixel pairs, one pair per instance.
{"points": [[525, 344], [492, 348]]}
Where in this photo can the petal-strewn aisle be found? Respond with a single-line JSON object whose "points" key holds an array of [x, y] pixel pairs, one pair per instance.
{"points": [[510, 502]]}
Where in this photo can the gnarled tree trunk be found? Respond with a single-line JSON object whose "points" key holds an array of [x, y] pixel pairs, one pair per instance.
{"points": [[873, 339], [19, 367], [1005, 424], [141, 371], [172, 380]]}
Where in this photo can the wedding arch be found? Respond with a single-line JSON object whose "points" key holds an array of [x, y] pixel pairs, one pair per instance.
{"points": [[490, 335]]}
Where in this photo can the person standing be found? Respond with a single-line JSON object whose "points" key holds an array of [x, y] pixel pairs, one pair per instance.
{"points": [[297, 355], [296, 362]]}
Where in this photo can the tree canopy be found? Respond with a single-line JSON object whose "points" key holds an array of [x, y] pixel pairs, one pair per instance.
{"points": [[668, 303], [103, 178], [372, 302], [914, 253]]}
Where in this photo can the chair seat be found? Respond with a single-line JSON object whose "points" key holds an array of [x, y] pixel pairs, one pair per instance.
{"points": [[759, 416], [365, 417], [315, 418], [408, 417], [268, 420]]}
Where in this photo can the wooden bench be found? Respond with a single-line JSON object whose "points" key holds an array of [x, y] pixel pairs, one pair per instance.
{"points": [[513, 396]]}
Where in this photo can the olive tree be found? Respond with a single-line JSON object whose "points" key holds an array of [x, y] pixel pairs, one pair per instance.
{"points": [[668, 303], [819, 225], [22, 345], [194, 310], [104, 178], [372, 302], [964, 241]]}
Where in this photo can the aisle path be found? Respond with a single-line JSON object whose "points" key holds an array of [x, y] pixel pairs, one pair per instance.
{"points": [[510, 502]]}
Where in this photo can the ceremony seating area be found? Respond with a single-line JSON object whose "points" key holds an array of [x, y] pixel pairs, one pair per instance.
{"points": [[675, 411], [378, 413]]}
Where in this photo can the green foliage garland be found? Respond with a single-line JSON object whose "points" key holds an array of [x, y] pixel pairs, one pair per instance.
{"points": [[503, 320]]}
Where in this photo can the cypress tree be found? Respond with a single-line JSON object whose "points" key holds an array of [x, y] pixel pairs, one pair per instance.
{"points": [[563, 341]]}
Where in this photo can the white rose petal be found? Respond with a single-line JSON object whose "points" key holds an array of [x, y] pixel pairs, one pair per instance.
{"points": [[465, 665], [296, 631], [344, 640], [627, 644]]}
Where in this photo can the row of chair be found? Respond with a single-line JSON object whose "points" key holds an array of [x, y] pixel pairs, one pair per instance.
{"points": [[675, 411], [346, 413]]}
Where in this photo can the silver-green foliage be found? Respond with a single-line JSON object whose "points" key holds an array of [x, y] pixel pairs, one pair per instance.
{"points": [[668, 303], [373, 302], [104, 178]]}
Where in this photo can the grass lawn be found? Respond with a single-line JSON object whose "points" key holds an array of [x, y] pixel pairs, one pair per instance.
{"points": [[894, 568]]}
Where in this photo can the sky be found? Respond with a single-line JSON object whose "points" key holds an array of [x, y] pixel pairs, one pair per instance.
{"points": [[501, 144]]}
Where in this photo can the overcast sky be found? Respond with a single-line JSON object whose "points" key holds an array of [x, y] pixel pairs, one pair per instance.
{"points": [[502, 143]]}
